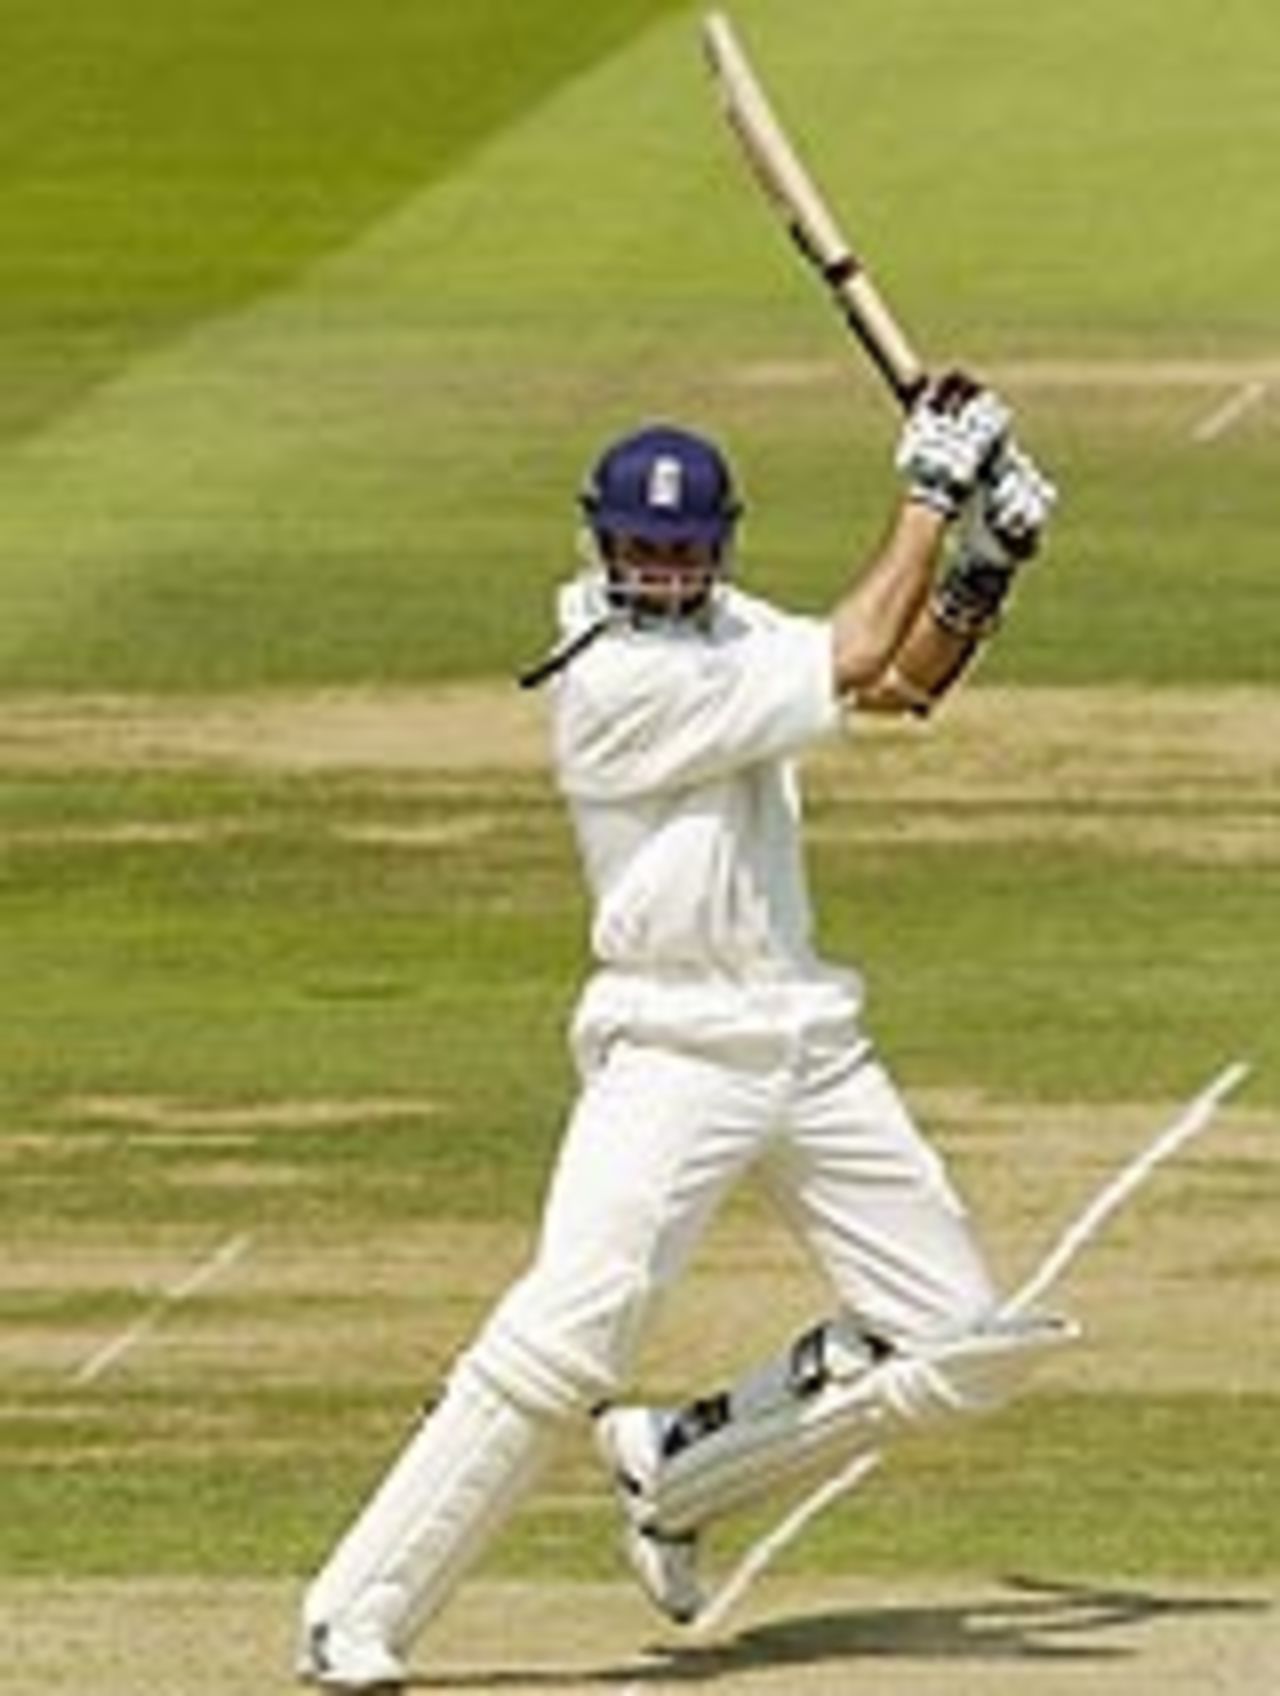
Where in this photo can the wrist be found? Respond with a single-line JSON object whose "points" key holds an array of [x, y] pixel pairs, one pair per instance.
{"points": [[937, 494], [922, 520]]}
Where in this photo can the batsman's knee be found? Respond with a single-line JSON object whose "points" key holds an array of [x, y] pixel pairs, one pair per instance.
{"points": [[553, 1351]]}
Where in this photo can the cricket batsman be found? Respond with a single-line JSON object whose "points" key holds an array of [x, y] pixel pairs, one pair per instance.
{"points": [[711, 1040]]}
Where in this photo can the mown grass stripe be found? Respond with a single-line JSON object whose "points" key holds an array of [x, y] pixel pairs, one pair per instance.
{"points": [[163, 163]]}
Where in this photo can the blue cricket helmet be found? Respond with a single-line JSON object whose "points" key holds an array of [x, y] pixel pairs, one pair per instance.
{"points": [[663, 484]]}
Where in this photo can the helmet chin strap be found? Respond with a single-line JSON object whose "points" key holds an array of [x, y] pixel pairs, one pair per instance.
{"points": [[625, 603], [627, 593], [647, 611]]}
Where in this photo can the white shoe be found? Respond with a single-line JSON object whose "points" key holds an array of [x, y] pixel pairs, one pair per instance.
{"points": [[347, 1665], [665, 1563]]}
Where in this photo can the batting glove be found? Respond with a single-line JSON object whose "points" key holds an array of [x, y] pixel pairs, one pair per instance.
{"points": [[1002, 530], [1015, 503], [954, 430]]}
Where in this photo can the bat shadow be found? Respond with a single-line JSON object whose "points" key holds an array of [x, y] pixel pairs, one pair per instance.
{"points": [[1035, 1620]]}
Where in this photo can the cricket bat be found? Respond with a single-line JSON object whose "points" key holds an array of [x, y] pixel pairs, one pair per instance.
{"points": [[811, 223]]}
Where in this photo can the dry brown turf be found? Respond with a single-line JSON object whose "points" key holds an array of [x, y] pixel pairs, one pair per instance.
{"points": [[191, 1638], [1198, 741]]}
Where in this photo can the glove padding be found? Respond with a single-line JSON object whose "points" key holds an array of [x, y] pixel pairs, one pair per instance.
{"points": [[953, 432], [1002, 530], [1014, 504]]}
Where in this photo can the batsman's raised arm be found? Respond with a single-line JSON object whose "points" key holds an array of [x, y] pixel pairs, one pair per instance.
{"points": [[973, 511], [873, 620]]}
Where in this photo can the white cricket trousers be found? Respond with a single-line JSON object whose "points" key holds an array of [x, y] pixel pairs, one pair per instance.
{"points": [[685, 1089]]}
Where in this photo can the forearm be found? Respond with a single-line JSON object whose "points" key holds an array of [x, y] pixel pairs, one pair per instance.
{"points": [[889, 601], [926, 666]]}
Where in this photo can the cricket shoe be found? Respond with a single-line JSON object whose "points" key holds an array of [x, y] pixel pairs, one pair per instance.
{"points": [[665, 1563], [347, 1665]]}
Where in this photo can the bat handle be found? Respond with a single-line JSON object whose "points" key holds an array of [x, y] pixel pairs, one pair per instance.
{"points": [[906, 387], [874, 325]]}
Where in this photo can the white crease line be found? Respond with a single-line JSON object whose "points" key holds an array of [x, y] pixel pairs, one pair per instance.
{"points": [[761, 1553], [1230, 412], [646, 1664], [204, 1273]]}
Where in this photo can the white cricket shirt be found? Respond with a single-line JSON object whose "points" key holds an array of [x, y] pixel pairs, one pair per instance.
{"points": [[674, 748]]}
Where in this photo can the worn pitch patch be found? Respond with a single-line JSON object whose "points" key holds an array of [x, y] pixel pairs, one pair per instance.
{"points": [[942, 1637]]}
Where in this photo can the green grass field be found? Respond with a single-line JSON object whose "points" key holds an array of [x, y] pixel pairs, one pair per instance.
{"points": [[310, 318]]}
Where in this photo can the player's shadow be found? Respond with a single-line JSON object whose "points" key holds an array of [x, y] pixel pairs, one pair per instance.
{"points": [[1036, 1620]]}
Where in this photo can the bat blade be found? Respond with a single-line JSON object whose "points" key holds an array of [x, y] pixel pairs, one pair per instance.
{"points": [[794, 195]]}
